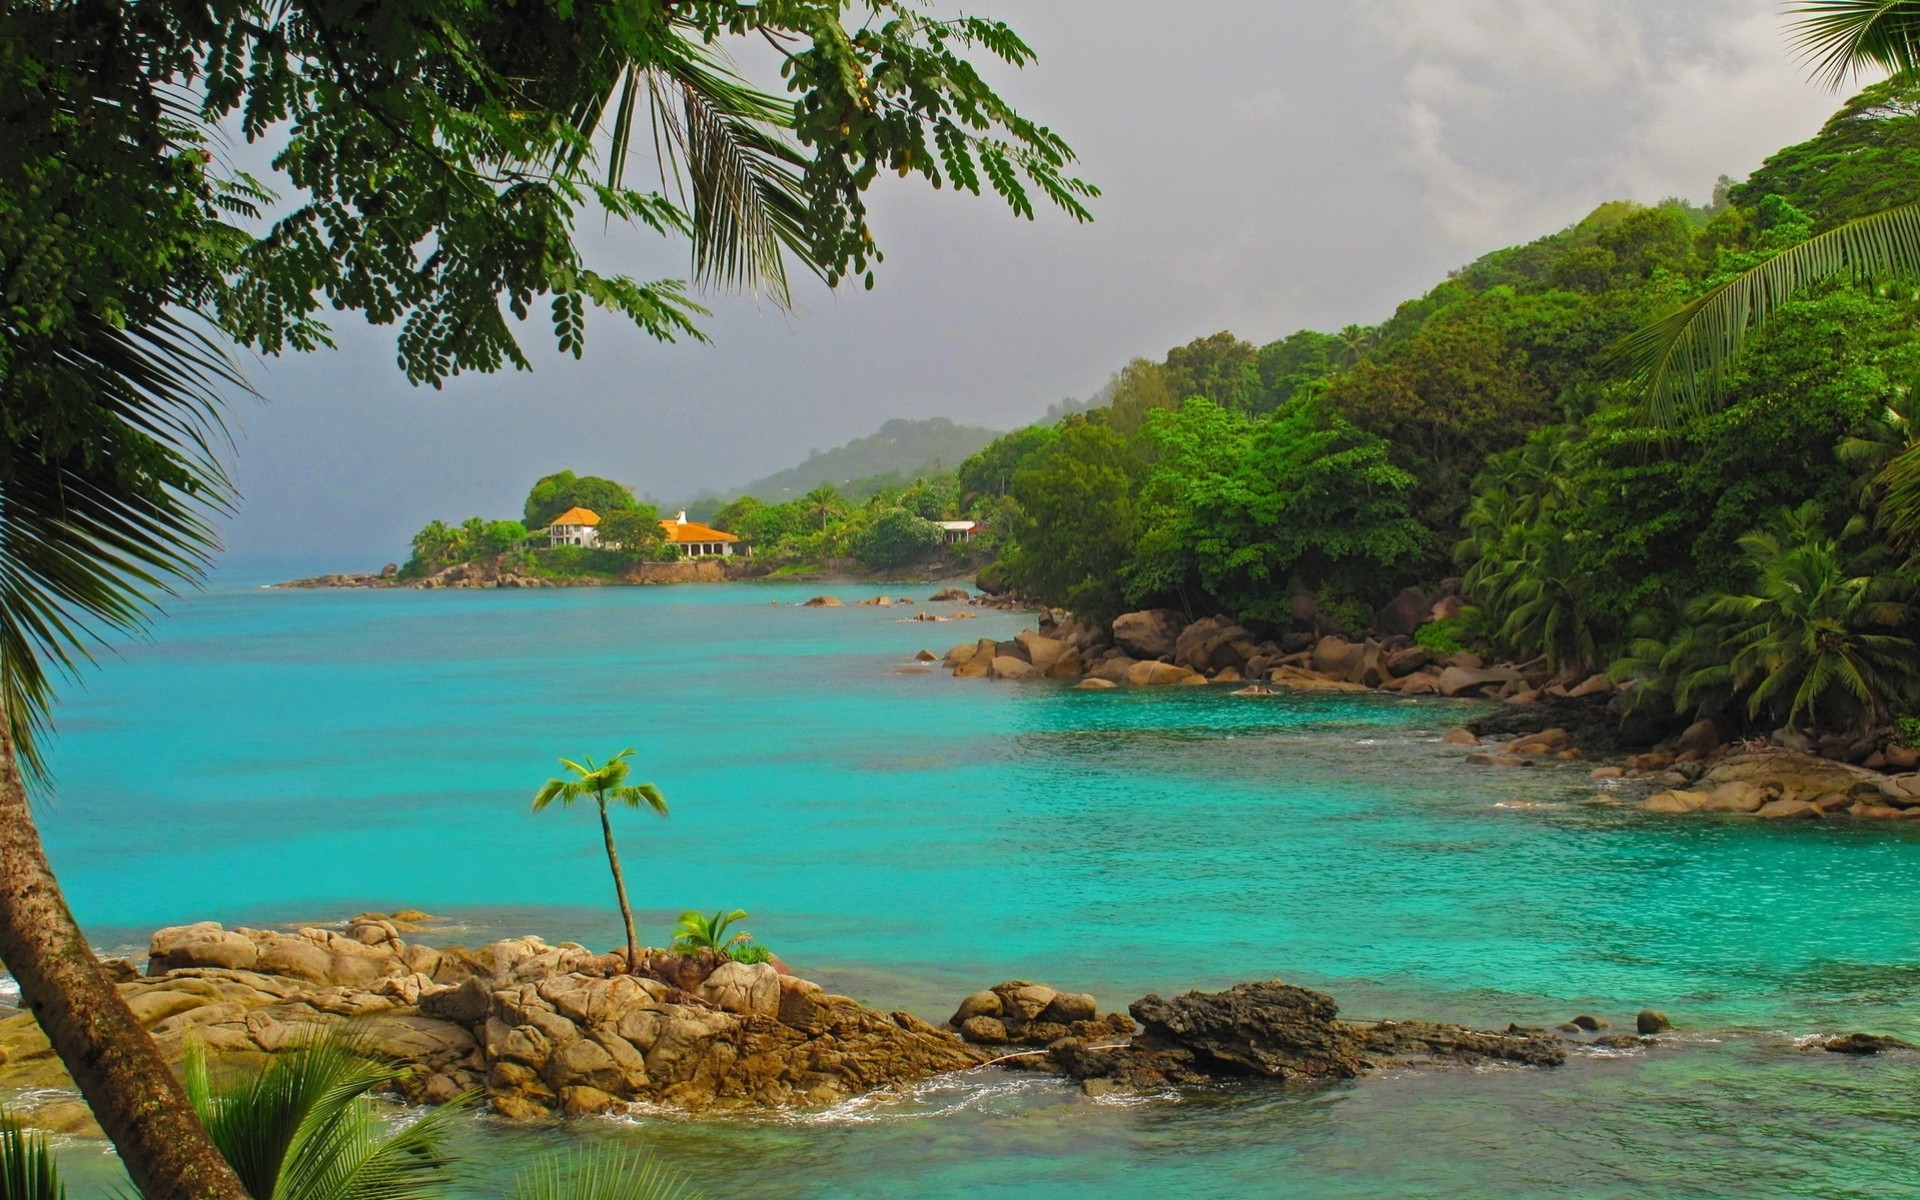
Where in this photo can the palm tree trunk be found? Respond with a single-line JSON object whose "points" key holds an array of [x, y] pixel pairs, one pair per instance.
{"points": [[120, 1072], [620, 890]]}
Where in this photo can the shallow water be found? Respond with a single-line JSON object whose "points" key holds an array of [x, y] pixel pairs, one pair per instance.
{"points": [[907, 838]]}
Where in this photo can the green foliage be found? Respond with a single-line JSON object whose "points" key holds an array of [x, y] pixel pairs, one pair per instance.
{"points": [[1443, 637], [749, 952], [554, 494], [634, 533], [439, 544], [578, 1175], [989, 472], [27, 1167], [894, 538], [900, 450], [1238, 508], [1816, 637], [304, 1126], [1864, 160], [603, 783], [1909, 727], [696, 931], [1221, 368], [1074, 531]]}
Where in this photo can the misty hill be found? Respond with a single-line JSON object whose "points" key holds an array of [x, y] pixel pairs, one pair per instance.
{"points": [[900, 449]]}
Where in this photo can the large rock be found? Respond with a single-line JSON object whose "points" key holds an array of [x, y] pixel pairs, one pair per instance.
{"points": [[1405, 613], [1155, 674], [1042, 652], [1020, 1012], [368, 951], [1409, 660], [1337, 658], [1150, 633], [1068, 666], [1273, 1029], [1698, 738], [1789, 775], [1281, 1031], [1006, 666], [1214, 644], [1461, 681]]}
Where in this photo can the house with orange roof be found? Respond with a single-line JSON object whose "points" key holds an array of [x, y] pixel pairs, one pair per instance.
{"points": [[575, 527], [694, 540]]}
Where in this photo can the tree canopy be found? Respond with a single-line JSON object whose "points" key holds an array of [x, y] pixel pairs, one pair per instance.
{"points": [[554, 494]]}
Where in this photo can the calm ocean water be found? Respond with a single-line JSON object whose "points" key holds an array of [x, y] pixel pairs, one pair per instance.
{"points": [[908, 838]]}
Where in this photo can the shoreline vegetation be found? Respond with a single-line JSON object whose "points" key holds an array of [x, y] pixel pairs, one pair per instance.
{"points": [[1551, 719], [1749, 560], [580, 530], [543, 1030]]}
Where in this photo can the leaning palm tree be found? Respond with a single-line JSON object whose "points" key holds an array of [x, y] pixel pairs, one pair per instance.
{"points": [[606, 784], [1682, 359]]}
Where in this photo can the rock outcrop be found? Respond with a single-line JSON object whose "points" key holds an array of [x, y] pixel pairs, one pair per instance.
{"points": [[1278, 1030], [1032, 1014], [541, 1028]]}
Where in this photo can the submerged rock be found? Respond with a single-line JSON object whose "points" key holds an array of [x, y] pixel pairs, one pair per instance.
{"points": [[1863, 1043]]}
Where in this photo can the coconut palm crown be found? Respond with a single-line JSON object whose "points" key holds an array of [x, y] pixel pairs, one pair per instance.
{"points": [[605, 784]]}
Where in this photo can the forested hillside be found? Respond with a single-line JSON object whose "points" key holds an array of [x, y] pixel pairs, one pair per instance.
{"points": [[893, 456], [1749, 554]]}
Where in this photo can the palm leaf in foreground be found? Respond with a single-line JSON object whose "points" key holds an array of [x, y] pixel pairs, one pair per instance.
{"points": [[92, 529], [1682, 358], [27, 1169], [303, 1128], [1839, 37], [600, 1177]]}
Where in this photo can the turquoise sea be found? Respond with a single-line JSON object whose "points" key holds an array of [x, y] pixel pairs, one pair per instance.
{"points": [[907, 838]]}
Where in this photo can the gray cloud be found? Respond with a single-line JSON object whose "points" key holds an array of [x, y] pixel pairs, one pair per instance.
{"points": [[1267, 166]]}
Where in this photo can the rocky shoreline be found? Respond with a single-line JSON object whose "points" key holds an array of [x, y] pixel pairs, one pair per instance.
{"points": [[545, 1031], [1547, 720]]}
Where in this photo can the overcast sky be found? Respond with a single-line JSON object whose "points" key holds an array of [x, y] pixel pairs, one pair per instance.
{"points": [[1266, 166]]}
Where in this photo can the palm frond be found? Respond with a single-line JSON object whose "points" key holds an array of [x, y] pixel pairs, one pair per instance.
{"points": [[1841, 37], [94, 529], [1681, 360], [720, 141], [27, 1167], [642, 795], [303, 1127], [579, 1176]]}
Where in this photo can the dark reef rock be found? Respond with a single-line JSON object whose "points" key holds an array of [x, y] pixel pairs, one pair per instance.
{"points": [[1276, 1030]]}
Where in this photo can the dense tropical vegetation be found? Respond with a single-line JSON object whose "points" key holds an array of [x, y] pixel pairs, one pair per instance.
{"points": [[1749, 553]]}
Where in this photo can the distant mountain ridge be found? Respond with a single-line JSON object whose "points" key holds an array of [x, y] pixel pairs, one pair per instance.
{"points": [[901, 448]]}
